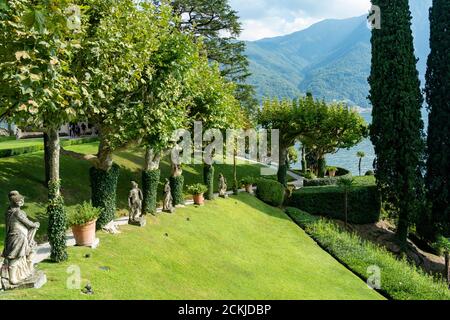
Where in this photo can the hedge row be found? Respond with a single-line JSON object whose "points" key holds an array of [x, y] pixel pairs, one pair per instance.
{"points": [[364, 203], [270, 191], [399, 279], [341, 173], [39, 147]]}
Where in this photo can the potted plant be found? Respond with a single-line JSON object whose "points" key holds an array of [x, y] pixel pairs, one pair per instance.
{"points": [[331, 171], [197, 190], [248, 182], [82, 221]]}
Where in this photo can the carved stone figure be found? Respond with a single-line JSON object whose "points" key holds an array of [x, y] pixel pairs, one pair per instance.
{"points": [[18, 269], [135, 204], [222, 186], [167, 202]]}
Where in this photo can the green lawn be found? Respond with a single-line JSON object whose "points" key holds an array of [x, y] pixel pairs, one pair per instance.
{"points": [[25, 173], [13, 143], [238, 248]]}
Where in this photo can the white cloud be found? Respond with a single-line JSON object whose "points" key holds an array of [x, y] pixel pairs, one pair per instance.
{"points": [[269, 18]]}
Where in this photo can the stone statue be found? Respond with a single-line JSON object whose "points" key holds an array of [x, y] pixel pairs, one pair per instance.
{"points": [[18, 269], [167, 202], [222, 186], [135, 204]]}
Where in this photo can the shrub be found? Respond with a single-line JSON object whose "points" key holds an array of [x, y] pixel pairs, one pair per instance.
{"points": [[270, 191], [197, 188], [248, 180], [310, 175], [370, 173], [150, 182], [176, 186], [400, 280], [364, 203], [327, 181], [104, 187], [83, 213]]}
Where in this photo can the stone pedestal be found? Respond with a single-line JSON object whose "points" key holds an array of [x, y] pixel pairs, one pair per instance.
{"points": [[36, 281], [141, 222]]}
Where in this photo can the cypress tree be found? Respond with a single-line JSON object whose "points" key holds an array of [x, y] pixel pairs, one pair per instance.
{"points": [[438, 99], [397, 128]]}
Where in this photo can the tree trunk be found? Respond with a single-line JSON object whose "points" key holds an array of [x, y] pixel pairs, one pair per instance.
{"points": [[346, 208], [55, 210], [208, 179], [104, 177], [52, 160], [235, 183], [359, 166], [10, 130], [104, 156], [402, 227], [151, 160], [282, 166], [322, 166], [46, 159], [447, 268], [304, 163]]}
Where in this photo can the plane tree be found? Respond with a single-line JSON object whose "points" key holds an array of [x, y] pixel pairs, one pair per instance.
{"points": [[38, 88]]}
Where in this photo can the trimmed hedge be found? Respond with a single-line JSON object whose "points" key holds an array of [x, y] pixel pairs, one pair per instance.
{"points": [[57, 224], [341, 173], [400, 280], [270, 191], [150, 182], [364, 203], [176, 186], [103, 192], [208, 179], [5, 153]]}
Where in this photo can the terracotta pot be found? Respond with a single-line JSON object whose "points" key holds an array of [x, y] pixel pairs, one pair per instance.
{"points": [[332, 173], [199, 199], [84, 234], [249, 188]]}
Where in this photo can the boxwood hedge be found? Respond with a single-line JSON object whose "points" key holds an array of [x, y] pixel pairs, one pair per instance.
{"points": [[270, 191], [328, 181], [364, 203], [4, 153]]}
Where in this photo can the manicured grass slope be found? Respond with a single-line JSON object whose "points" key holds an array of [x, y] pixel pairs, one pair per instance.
{"points": [[25, 173], [238, 248]]}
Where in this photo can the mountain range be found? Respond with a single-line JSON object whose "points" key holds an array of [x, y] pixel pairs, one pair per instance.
{"points": [[331, 59]]}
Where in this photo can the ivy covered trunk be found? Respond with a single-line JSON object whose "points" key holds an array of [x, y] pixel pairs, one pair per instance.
{"points": [[150, 180], [208, 179], [104, 178], [177, 185], [322, 166], [282, 166], [304, 163], [55, 209]]}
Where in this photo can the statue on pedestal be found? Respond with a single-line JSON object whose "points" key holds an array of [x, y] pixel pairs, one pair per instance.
{"points": [[18, 270], [222, 186], [135, 204], [167, 202]]}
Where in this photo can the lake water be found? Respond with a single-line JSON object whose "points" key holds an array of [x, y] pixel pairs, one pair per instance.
{"points": [[347, 158]]}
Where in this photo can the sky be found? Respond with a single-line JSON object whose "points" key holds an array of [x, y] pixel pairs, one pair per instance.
{"points": [[270, 18]]}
